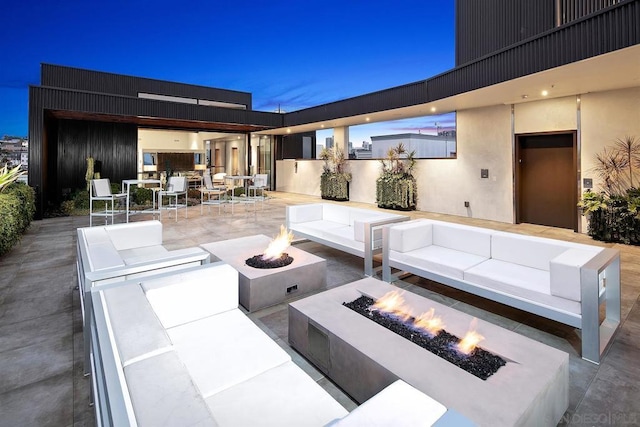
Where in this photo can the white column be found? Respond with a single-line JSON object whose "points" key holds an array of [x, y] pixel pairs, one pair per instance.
{"points": [[341, 139]]}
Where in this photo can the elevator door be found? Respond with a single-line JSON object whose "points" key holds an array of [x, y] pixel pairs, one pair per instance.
{"points": [[547, 174]]}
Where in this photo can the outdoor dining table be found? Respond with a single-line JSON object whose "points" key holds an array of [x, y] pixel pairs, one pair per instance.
{"points": [[128, 182]]}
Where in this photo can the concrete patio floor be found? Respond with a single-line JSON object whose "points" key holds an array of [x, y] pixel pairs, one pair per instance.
{"points": [[41, 381]]}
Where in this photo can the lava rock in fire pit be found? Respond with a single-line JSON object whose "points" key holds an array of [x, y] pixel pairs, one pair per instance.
{"points": [[257, 261], [479, 362]]}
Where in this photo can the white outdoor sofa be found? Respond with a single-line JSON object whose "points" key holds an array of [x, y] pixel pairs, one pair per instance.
{"points": [[352, 230], [115, 253], [563, 281], [176, 350]]}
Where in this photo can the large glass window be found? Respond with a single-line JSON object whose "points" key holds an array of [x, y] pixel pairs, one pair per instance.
{"points": [[430, 137]]}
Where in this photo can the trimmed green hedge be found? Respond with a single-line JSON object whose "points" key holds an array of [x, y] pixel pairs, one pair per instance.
{"points": [[17, 207]]}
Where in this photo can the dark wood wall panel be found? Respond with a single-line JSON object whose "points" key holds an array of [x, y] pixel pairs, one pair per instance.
{"points": [[176, 161], [118, 84], [113, 145]]}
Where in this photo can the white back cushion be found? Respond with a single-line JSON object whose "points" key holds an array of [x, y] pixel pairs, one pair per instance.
{"points": [[304, 213], [535, 252], [335, 213], [137, 331], [463, 238], [103, 255], [135, 234], [411, 235]]}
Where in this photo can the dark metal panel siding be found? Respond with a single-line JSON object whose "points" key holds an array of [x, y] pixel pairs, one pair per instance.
{"points": [[113, 145], [401, 96], [117, 84], [485, 26], [37, 161], [89, 102], [611, 29], [570, 10]]}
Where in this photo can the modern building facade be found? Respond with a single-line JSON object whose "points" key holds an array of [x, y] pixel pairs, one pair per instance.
{"points": [[538, 89]]}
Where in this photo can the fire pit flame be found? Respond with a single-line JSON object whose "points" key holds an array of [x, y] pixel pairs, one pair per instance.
{"points": [[278, 245], [429, 322], [392, 303], [471, 339]]}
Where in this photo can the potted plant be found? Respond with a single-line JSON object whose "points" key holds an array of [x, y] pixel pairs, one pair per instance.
{"points": [[396, 188], [334, 181], [613, 214]]}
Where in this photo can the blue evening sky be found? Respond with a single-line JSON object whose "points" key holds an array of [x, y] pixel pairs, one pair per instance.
{"points": [[288, 54]]}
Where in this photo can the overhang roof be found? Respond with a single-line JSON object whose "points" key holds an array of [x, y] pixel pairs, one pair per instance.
{"points": [[614, 70]]}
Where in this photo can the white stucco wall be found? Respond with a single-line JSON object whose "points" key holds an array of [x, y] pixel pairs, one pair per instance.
{"points": [[605, 117], [546, 116], [485, 141]]}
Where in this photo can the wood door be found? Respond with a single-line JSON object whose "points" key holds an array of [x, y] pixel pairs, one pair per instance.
{"points": [[546, 180], [235, 167]]}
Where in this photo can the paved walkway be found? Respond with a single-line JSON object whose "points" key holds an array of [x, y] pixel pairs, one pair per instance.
{"points": [[41, 381]]}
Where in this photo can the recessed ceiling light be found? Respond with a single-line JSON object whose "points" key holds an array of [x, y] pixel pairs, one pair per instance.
{"points": [[433, 109], [322, 126], [525, 96], [288, 130], [367, 119], [545, 93]]}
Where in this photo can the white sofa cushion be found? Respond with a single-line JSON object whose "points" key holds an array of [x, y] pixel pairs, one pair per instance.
{"points": [[146, 253], [439, 260], [163, 394], [135, 234], [102, 256], [335, 213], [519, 281], [463, 238], [565, 272], [316, 227], [138, 332], [224, 350], [93, 235], [305, 213], [398, 405], [186, 297], [282, 396], [410, 235], [534, 252]]}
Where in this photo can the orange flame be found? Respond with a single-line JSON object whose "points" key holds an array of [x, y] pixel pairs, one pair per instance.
{"points": [[429, 322], [279, 244], [393, 303], [471, 339]]}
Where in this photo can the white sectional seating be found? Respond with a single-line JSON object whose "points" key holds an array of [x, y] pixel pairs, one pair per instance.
{"points": [[352, 230], [176, 350], [118, 252], [563, 281]]}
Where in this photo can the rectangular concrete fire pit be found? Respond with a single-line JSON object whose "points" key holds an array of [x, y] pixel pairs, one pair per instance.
{"points": [[260, 288], [363, 357]]}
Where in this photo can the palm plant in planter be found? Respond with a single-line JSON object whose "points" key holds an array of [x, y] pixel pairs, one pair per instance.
{"points": [[614, 214], [396, 188], [334, 181]]}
